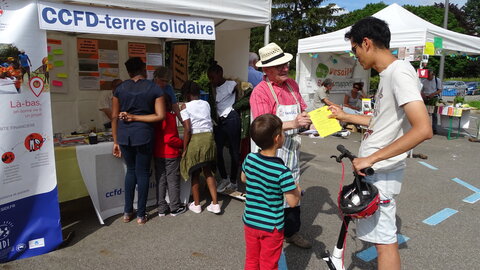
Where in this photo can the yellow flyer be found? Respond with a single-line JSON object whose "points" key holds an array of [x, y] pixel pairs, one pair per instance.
{"points": [[324, 125]]}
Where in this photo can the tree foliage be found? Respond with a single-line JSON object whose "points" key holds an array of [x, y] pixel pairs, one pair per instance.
{"points": [[472, 12], [356, 15], [293, 20]]}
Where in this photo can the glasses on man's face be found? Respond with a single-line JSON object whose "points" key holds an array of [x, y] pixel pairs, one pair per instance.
{"points": [[282, 66], [354, 49]]}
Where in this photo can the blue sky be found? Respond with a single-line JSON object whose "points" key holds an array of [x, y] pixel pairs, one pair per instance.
{"points": [[350, 5]]}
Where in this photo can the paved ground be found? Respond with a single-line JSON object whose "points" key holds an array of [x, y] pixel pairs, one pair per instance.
{"points": [[208, 241]]}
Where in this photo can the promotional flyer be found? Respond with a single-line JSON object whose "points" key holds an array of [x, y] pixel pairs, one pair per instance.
{"points": [[29, 211]]}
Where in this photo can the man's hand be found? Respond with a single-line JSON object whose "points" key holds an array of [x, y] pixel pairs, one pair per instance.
{"points": [[337, 112], [303, 120], [361, 163]]}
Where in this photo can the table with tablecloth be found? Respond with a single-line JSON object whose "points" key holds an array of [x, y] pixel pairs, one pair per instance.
{"points": [[92, 170]]}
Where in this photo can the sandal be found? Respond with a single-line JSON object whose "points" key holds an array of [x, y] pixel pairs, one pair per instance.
{"points": [[127, 217], [142, 220]]}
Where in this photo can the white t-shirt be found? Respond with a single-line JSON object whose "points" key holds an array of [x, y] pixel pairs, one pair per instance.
{"points": [[104, 102], [399, 85], [198, 111], [430, 86], [225, 98]]}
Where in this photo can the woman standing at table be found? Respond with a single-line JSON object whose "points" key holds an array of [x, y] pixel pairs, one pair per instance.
{"points": [[137, 103]]}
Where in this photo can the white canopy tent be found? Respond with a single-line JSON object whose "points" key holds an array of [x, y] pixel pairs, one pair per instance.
{"points": [[232, 21], [407, 29]]}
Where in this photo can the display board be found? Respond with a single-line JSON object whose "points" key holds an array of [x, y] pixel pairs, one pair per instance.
{"points": [[151, 54], [97, 63], [180, 64]]}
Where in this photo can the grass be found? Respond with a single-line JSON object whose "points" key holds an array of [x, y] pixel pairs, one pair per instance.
{"points": [[463, 79], [474, 103]]}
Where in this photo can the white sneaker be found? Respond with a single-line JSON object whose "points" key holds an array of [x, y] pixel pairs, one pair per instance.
{"points": [[222, 184], [214, 208], [195, 208]]}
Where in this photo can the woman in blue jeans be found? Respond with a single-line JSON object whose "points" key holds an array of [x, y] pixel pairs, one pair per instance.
{"points": [[137, 103]]}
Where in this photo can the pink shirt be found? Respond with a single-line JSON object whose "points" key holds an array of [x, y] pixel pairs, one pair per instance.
{"points": [[262, 101]]}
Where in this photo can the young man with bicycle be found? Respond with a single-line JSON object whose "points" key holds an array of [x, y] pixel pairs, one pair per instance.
{"points": [[399, 123]]}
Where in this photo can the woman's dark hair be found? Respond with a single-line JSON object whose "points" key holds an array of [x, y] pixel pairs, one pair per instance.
{"points": [[215, 67], [190, 88], [373, 28], [264, 129], [135, 66], [358, 85]]}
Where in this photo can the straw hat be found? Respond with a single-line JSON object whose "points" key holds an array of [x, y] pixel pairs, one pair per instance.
{"points": [[272, 55]]}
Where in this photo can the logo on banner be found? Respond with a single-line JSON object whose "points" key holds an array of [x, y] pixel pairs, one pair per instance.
{"points": [[322, 70], [34, 142], [36, 85], [8, 157], [5, 231], [36, 243]]}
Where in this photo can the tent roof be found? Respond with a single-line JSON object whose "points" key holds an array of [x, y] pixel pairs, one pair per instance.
{"points": [[227, 14], [407, 30]]}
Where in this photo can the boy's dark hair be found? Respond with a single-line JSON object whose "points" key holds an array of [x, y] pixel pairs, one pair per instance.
{"points": [[168, 102], [373, 28], [358, 85], [135, 66], [264, 129], [190, 88], [215, 68]]}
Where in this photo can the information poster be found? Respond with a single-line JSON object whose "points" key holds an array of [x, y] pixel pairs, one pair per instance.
{"points": [[151, 55], [29, 211], [180, 64], [97, 63]]}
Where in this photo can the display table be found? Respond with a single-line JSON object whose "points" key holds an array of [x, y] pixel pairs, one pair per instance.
{"points": [[92, 170], [454, 117]]}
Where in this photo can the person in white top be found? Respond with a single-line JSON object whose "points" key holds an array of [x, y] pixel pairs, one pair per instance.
{"points": [[199, 146], [399, 123], [227, 126]]}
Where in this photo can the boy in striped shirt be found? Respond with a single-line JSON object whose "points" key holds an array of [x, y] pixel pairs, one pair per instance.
{"points": [[267, 179]]}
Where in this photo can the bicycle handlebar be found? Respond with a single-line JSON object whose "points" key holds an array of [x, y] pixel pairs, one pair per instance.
{"points": [[349, 155]]}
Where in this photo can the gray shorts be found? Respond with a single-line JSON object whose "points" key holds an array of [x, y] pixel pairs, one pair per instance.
{"points": [[381, 228]]}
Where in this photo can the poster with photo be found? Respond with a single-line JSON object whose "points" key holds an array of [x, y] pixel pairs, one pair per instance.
{"points": [[29, 211]]}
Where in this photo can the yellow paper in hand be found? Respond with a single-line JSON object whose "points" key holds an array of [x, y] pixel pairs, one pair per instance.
{"points": [[324, 125]]}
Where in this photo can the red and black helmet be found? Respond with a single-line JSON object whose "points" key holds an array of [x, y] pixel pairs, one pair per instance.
{"points": [[359, 199]]}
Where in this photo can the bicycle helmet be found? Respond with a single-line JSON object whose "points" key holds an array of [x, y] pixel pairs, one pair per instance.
{"points": [[359, 199]]}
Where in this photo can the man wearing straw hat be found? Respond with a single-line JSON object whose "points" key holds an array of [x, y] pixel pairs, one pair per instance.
{"points": [[280, 95]]}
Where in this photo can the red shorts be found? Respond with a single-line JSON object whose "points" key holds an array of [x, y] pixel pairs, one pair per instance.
{"points": [[263, 249]]}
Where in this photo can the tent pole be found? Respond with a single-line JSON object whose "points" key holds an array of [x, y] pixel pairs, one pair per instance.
{"points": [[442, 56], [266, 37]]}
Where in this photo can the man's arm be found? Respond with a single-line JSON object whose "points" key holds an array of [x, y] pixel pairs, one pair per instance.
{"points": [[421, 130], [359, 119]]}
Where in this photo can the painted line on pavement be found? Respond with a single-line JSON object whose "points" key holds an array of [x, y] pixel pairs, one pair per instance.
{"points": [[465, 184], [428, 165], [440, 216], [472, 198], [371, 253]]}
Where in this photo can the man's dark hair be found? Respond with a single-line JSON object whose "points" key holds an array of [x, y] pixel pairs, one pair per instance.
{"points": [[264, 129], [190, 88], [135, 66], [373, 28], [327, 82]]}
